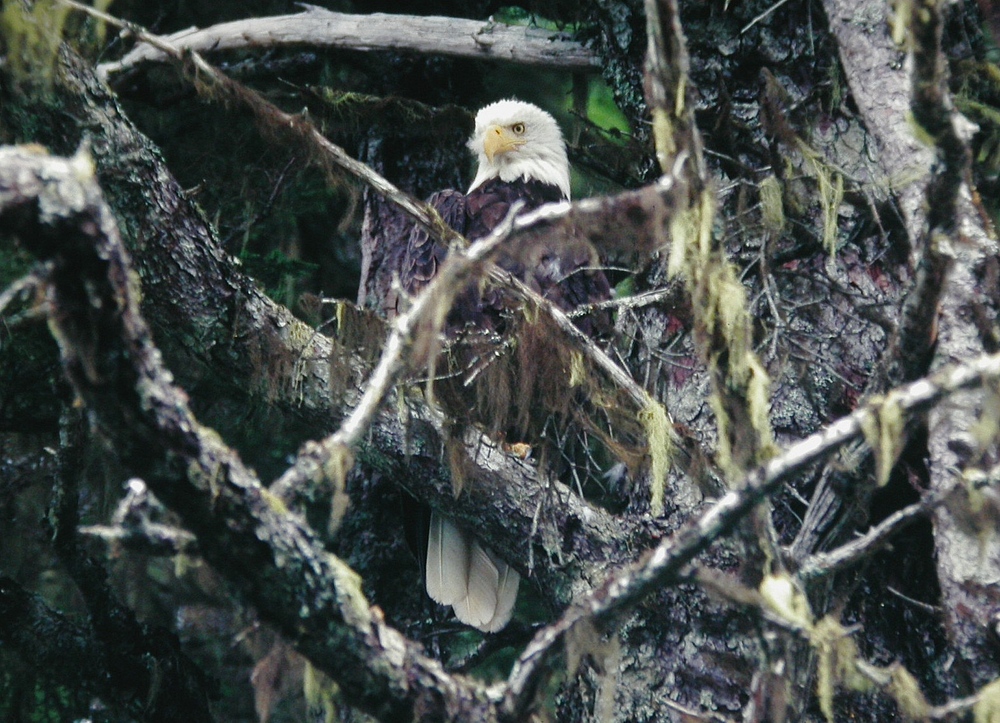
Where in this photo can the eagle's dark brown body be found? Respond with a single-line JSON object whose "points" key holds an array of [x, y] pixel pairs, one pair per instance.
{"points": [[513, 390], [566, 274]]}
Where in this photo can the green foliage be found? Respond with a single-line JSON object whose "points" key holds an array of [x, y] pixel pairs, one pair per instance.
{"points": [[27, 696], [516, 15], [602, 109], [14, 263]]}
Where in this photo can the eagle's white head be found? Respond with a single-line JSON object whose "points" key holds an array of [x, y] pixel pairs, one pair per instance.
{"points": [[514, 139]]}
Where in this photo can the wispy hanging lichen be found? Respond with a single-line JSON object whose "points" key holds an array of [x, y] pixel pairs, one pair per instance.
{"points": [[884, 431], [656, 424]]}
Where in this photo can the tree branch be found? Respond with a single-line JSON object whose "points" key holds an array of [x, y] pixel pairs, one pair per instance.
{"points": [[428, 35], [665, 562], [429, 306], [543, 220], [271, 556], [827, 563], [333, 459]]}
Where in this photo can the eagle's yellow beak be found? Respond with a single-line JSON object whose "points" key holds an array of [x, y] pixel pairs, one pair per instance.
{"points": [[500, 140]]}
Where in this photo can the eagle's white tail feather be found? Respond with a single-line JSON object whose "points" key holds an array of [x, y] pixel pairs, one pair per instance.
{"points": [[447, 577], [480, 602], [480, 587], [506, 596]]}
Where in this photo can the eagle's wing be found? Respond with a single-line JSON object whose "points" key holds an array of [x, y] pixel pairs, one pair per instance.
{"points": [[569, 275], [425, 254]]}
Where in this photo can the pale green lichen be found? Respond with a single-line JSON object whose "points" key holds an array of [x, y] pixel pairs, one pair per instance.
{"points": [[656, 425], [321, 693], [830, 185], [772, 208], [884, 429], [784, 598], [987, 707], [905, 690]]}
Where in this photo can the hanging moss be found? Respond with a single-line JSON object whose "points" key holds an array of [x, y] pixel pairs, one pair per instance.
{"points": [[656, 425], [33, 33], [884, 431], [905, 690], [772, 207]]}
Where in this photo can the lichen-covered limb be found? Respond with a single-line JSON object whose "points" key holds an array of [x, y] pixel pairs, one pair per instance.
{"points": [[430, 305], [723, 331], [666, 562], [321, 28], [722, 328], [268, 554], [962, 434]]}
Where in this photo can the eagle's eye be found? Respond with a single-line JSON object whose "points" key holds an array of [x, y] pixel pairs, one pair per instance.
{"points": [[518, 128]]}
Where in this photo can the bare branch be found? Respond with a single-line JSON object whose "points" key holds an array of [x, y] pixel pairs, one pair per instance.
{"points": [[827, 563], [223, 328], [332, 458], [300, 128], [321, 28]]}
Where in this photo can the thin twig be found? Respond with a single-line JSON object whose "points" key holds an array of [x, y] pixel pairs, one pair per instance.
{"points": [[151, 539], [646, 298], [422, 213], [580, 340], [826, 563], [762, 16]]}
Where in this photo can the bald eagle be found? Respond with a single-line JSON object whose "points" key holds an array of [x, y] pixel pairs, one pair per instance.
{"points": [[521, 157]]}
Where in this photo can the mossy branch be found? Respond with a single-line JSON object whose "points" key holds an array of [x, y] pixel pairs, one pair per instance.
{"points": [[723, 330]]}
